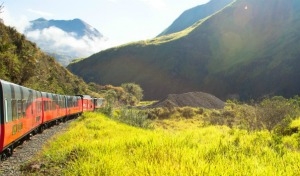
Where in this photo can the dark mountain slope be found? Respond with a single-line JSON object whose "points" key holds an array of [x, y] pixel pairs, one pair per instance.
{"points": [[191, 16], [248, 50]]}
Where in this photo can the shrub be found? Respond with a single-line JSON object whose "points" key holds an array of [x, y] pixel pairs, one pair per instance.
{"points": [[188, 112], [135, 93], [160, 113], [134, 117], [107, 110], [272, 112]]}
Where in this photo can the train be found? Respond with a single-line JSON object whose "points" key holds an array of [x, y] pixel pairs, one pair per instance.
{"points": [[25, 112]]}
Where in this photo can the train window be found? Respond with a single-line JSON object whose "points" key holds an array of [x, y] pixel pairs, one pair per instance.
{"points": [[6, 111], [38, 106], [19, 108], [53, 105], [14, 109], [45, 106], [62, 104], [29, 105], [24, 102]]}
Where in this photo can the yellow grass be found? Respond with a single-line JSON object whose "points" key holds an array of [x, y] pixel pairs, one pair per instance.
{"points": [[97, 145]]}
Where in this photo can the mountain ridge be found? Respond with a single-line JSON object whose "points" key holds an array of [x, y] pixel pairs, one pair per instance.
{"points": [[247, 50], [193, 15]]}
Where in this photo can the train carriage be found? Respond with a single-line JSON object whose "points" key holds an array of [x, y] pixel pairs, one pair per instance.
{"points": [[51, 109], [98, 102], [74, 105], [20, 114], [87, 103]]}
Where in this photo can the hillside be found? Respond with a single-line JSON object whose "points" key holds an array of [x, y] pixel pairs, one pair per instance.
{"points": [[191, 16], [248, 50], [21, 62]]}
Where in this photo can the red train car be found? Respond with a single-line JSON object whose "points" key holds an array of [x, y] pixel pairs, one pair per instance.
{"points": [[53, 108], [20, 115], [74, 105], [87, 103]]}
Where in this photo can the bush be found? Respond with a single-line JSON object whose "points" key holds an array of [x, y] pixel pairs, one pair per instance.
{"points": [[188, 112], [160, 113], [107, 110], [274, 114], [134, 117], [135, 93], [274, 111]]}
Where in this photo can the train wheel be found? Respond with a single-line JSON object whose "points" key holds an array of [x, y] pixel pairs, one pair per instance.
{"points": [[29, 136], [41, 129], [9, 151], [3, 156]]}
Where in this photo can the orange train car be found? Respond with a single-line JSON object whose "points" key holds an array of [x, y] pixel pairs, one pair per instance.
{"points": [[73, 105], [87, 103], [21, 115]]}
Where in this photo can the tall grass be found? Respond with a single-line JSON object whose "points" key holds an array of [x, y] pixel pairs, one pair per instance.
{"points": [[97, 145]]}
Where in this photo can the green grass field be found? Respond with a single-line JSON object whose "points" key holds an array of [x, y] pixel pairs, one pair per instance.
{"points": [[97, 145]]}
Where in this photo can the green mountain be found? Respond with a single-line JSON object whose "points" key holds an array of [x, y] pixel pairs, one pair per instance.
{"points": [[249, 49], [191, 16], [23, 63]]}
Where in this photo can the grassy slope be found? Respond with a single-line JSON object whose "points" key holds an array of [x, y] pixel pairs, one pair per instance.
{"points": [[191, 16], [249, 49], [96, 145]]}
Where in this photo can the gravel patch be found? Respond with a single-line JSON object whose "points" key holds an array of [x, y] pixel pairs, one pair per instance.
{"points": [[191, 99]]}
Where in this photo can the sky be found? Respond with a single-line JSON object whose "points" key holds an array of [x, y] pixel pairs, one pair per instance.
{"points": [[120, 21]]}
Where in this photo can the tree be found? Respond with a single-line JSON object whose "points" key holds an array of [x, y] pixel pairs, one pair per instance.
{"points": [[135, 92]]}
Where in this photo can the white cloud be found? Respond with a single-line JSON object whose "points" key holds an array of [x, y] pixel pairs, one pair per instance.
{"points": [[55, 39], [19, 24], [59, 40]]}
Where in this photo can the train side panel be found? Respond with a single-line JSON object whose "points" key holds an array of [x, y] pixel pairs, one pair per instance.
{"points": [[74, 105], [87, 103], [53, 107], [21, 112]]}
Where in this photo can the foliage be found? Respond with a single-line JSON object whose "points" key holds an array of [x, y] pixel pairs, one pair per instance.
{"points": [[126, 94], [134, 117], [96, 145], [175, 112], [135, 93], [107, 110], [273, 114]]}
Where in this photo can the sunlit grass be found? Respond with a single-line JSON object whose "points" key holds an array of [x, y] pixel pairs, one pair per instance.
{"points": [[97, 145]]}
